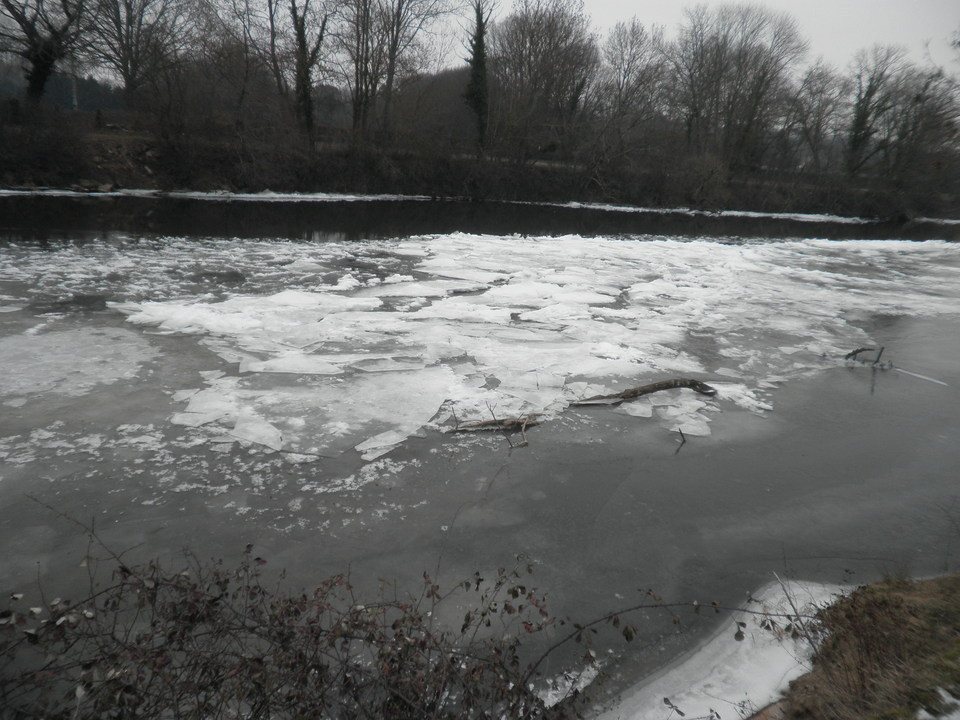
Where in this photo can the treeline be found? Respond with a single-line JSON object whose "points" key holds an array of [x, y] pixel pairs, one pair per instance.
{"points": [[362, 95]]}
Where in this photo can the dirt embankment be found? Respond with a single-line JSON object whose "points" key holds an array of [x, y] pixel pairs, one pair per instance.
{"points": [[886, 651]]}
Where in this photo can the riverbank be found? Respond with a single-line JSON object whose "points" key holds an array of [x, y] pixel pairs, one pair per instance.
{"points": [[890, 650], [83, 153], [808, 651]]}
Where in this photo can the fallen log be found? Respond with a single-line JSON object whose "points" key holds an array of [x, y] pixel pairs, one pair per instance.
{"points": [[631, 393], [517, 424]]}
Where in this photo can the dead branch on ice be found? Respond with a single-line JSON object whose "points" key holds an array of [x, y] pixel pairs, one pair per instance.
{"points": [[516, 424], [631, 393]]}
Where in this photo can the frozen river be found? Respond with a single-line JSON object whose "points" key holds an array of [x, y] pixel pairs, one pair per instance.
{"points": [[207, 392]]}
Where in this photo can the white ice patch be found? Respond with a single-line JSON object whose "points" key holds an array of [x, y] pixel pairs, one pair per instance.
{"points": [[373, 412], [70, 362], [734, 679], [256, 430], [458, 328]]}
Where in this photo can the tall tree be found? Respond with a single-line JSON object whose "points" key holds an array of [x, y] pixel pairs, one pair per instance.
{"points": [[818, 114], [875, 75], [133, 38], [731, 68], [306, 57], [631, 80], [477, 94], [403, 21], [42, 34], [545, 61], [361, 44]]}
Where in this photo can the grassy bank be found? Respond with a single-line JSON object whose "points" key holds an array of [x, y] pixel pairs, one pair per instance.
{"points": [[883, 653]]}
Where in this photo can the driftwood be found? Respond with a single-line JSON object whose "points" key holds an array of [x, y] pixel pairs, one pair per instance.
{"points": [[631, 393], [855, 355], [520, 424], [517, 424]]}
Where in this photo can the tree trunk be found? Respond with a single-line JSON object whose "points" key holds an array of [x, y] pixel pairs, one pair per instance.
{"points": [[42, 62]]}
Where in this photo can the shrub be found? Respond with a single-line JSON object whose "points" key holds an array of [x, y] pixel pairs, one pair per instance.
{"points": [[212, 642]]}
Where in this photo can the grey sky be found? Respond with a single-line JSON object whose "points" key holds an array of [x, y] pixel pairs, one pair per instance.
{"points": [[836, 29]]}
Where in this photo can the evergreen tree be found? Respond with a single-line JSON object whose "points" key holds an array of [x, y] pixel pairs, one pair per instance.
{"points": [[477, 92]]}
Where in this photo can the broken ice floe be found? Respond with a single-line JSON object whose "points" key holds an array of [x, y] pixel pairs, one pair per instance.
{"points": [[399, 335], [532, 323], [68, 362]]}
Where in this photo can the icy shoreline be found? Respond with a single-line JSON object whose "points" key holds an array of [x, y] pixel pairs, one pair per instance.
{"points": [[724, 677], [269, 196]]}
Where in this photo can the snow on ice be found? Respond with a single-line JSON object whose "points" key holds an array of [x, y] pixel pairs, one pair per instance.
{"points": [[505, 326], [360, 345]]}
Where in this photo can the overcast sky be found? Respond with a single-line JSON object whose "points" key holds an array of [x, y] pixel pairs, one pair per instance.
{"points": [[836, 29]]}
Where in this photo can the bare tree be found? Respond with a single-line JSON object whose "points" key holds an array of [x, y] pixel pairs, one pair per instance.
{"points": [[922, 134], [875, 76], [379, 40], [135, 37], [306, 56], [290, 39], [631, 79], [545, 59], [403, 22], [632, 67], [42, 34], [363, 66], [818, 113], [731, 68]]}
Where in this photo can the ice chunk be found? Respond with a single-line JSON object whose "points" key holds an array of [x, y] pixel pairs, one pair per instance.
{"points": [[195, 419], [425, 289], [297, 363], [381, 444], [257, 430], [641, 407], [741, 395], [387, 364], [70, 362]]}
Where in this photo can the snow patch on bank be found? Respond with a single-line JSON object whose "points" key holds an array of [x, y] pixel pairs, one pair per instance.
{"points": [[221, 196], [734, 679], [795, 217]]}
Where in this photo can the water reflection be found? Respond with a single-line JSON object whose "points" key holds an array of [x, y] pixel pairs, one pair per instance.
{"points": [[45, 219]]}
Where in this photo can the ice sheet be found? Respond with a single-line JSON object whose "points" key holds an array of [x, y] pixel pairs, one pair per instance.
{"points": [[615, 313], [488, 313], [69, 362]]}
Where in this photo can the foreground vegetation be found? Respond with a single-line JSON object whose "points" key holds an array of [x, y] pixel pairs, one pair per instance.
{"points": [[886, 651], [211, 641], [362, 96]]}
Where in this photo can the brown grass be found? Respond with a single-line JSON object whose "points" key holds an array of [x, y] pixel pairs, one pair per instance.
{"points": [[883, 653]]}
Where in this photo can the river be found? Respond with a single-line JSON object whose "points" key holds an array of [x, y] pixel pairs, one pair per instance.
{"points": [[205, 373]]}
